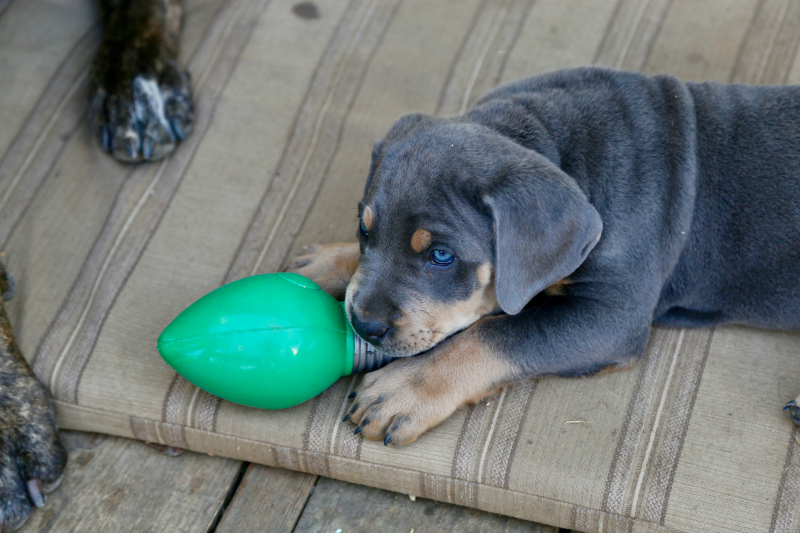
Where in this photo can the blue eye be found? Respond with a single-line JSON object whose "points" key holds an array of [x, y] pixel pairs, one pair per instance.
{"points": [[441, 258], [364, 229]]}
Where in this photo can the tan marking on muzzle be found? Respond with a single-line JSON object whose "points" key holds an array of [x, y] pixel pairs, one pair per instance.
{"points": [[366, 217], [352, 288], [425, 323], [420, 240]]}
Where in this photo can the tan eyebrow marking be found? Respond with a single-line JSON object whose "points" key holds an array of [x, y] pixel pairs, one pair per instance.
{"points": [[366, 217], [420, 240]]}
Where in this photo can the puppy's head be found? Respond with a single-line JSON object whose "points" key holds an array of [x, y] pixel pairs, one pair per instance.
{"points": [[458, 222]]}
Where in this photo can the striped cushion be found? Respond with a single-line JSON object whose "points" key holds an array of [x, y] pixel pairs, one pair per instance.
{"points": [[690, 439]]}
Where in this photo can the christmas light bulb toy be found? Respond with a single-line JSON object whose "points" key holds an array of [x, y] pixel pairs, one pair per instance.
{"points": [[269, 341]]}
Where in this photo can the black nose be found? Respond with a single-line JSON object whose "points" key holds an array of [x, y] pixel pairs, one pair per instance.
{"points": [[371, 331]]}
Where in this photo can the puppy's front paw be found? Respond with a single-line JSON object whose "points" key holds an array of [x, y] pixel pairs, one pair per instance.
{"points": [[32, 458], [329, 265], [398, 403], [402, 400]]}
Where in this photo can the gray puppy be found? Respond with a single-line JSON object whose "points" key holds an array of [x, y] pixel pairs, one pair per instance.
{"points": [[545, 230]]}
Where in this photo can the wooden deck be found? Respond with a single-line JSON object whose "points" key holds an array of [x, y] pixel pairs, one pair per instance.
{"points": [[118, 485]]}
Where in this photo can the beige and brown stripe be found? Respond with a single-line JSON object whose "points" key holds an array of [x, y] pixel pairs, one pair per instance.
{"points": [[59, 111], [786, 514], [767, 54], [659, 412], [483, 54], [630, 37]]}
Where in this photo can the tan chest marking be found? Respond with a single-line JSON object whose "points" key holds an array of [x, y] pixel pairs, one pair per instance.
{"points": [[557, 288]]}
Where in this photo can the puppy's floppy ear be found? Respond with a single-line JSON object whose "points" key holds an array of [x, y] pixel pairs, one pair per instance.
{"points": [[544, 227]]}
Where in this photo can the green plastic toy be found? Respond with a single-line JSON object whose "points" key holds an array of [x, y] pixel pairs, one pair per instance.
{"points": [[270, 341]]}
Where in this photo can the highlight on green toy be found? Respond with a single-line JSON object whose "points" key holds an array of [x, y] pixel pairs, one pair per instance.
{"points": [[269, 341]]}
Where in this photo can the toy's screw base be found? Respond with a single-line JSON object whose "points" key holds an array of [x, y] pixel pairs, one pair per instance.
{"points": [[366, 358]]}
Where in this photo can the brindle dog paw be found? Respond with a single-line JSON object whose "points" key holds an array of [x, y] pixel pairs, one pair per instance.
{"points": [[31, 457], [141, 99], [329, 265], [794, 410]]}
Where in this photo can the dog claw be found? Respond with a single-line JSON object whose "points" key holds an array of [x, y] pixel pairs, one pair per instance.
{"points": [[346, 418], [794, 411], [352, 394], [35, 492], [130, 147], [364, 422], [106, 138], [177, 129], [47, 488], [387, 439], [11, 287], [147, 148]]}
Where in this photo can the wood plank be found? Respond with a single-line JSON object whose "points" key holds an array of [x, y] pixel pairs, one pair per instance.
{"points": [[116, 484], [268, 499], [336, 505]]}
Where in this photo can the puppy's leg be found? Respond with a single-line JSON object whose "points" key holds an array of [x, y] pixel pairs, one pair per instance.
{"points": [[565, 336], [398, 402], [31, 457], [141, 98], [329, 265]]}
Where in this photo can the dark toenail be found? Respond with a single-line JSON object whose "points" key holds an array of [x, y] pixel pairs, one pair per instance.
{"points": [[352, 394], [106, 135], [346, 418], [35, 492], [177, 129], [130, 147], [147, 148]]}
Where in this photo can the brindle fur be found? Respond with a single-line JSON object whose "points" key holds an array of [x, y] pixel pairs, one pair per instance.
{"points": [[31, 457], [141, 98], [141, 105]]}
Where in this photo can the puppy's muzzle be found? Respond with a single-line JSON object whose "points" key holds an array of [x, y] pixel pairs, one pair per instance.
{"points": [[371, 331]]}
